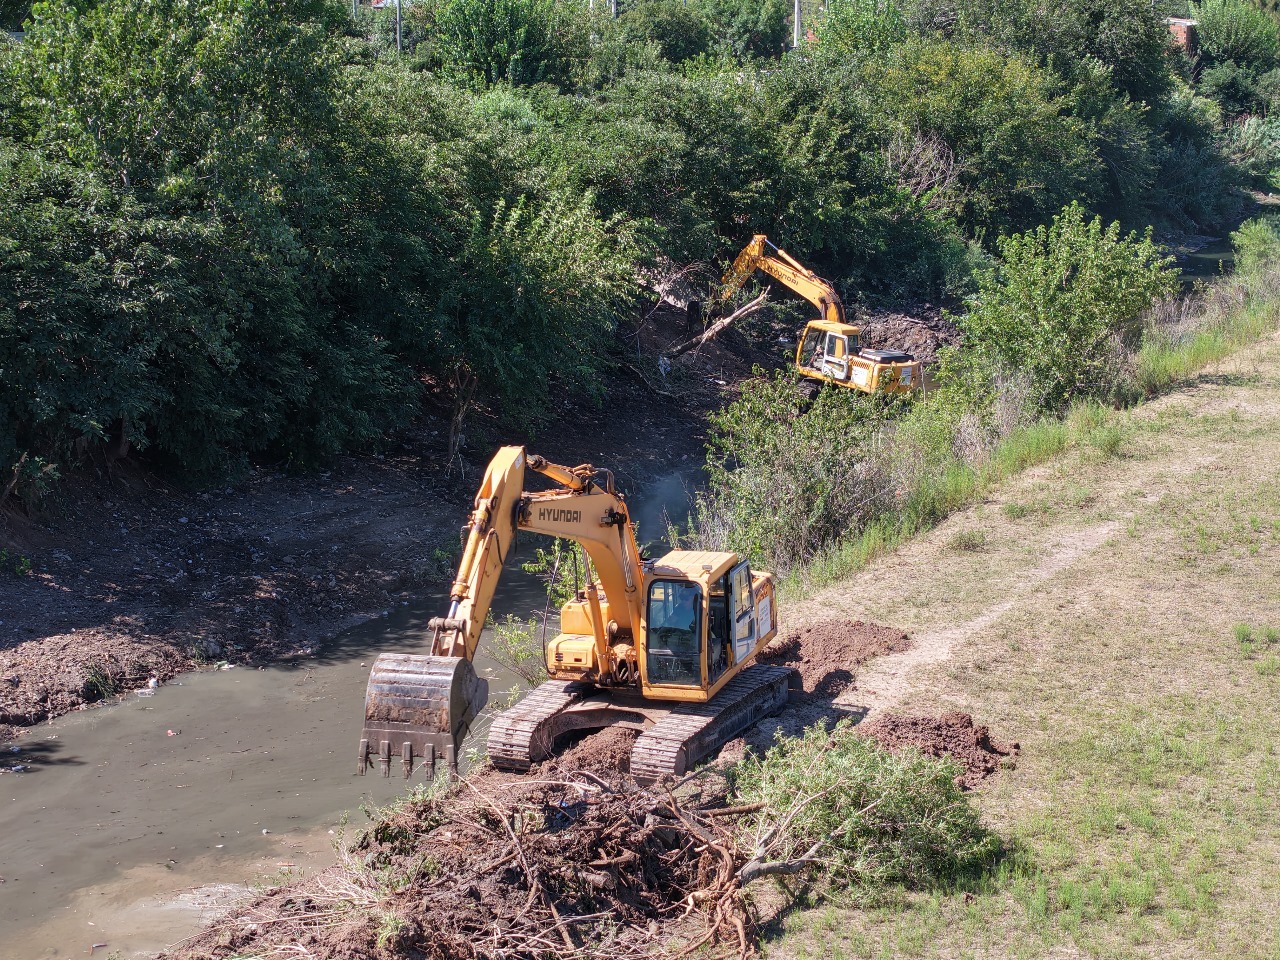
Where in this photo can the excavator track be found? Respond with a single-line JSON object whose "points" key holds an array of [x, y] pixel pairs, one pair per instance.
{"points": [[692, 732], [523, 735]]}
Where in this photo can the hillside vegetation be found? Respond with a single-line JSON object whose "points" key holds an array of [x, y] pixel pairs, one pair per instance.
{"points": [[234, 230]]}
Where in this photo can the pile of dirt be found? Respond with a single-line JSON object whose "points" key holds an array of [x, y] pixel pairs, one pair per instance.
{"points": [[605, 752], [952, 735], [827, 652], [921, 331]]}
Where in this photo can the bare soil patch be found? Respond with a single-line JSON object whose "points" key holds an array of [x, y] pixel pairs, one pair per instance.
{"points": [[827, 653], [950, 735]]}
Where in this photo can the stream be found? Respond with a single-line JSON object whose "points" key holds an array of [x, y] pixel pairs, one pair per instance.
{"points": [[131, 822]]}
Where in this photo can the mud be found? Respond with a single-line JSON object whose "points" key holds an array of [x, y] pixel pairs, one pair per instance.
{"points": [[951, 735], [608, 752], [828, 653]]}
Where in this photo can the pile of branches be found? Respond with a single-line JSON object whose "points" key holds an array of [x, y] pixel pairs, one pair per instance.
{"points": [[586, 866], [576, 861]]}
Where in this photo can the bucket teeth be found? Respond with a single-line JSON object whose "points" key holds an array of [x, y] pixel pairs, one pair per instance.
{"points": [[418, 708]]}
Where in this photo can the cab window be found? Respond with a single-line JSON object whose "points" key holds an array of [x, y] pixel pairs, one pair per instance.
{"points": [[742, 610], [719, 645], [674, 638], [811, 348], [835, 346]]}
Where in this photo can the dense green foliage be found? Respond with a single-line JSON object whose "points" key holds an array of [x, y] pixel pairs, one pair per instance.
{"points": [[230, 230], [865, 817], [1066, 304]]}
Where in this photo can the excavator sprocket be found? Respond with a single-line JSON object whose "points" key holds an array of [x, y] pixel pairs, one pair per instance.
{"points": [[418, 708]]}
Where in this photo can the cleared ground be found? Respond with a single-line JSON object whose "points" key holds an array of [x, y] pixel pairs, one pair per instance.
{"points": [[1118, 613]]}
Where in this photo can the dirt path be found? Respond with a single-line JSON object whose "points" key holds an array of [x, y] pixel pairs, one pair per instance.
{"points": [[1121, 621]]}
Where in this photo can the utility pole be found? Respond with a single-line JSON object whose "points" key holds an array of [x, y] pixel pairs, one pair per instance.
{"points": [[399, 49], [796, 40]]}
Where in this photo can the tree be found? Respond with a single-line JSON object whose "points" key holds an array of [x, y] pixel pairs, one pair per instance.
{"points": [[1018, 150], [1065, 301]]}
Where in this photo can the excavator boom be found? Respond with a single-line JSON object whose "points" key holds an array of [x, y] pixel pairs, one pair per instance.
{"points": [[762, 255]]}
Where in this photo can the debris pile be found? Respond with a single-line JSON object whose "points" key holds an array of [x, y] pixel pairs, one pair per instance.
{"points": [[922, 333], [562, 862], [952, 735]]}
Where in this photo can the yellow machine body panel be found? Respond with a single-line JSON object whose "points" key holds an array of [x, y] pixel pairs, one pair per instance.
{"points": [[832, 353]]}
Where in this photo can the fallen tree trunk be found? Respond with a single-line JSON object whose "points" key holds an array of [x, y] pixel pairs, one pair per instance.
{"points": [[716, 328]]}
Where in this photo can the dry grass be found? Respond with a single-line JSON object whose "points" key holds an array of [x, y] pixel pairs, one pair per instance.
{"points": [[1117, 624]]}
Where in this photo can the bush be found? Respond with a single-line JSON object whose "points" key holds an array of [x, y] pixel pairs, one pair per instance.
{"points": [[1066, 302], [502, 41], [749, 28], [868, 817], [859, 27], [785, 481], [678, 30], [1257, 245], [1237, 31]]}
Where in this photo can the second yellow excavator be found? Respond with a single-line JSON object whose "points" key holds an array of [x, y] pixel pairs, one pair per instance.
{"points": [[830, 350], [662, 646]]}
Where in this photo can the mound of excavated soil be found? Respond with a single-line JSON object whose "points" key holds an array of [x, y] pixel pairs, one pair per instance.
{"points": [[921, 331], [953, 735], [827, 652], [606, 752]]}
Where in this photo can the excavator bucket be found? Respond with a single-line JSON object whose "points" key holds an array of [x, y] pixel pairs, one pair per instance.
{"points": [[418, 708]]}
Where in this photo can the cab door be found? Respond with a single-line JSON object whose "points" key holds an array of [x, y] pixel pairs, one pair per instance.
{"points": [[835, 360], [742, 612]]}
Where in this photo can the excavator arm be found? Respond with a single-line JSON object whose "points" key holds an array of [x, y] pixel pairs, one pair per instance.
{"points": [[420, 707], [762, 255], [582, 510]]}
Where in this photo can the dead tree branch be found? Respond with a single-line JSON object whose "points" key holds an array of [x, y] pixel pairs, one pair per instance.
{"points": [[717, 327]]}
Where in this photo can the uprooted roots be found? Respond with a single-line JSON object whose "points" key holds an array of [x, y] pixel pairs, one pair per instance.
{"points": [[577, 867]]}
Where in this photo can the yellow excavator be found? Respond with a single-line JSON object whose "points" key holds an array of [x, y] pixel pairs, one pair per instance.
{"points": [[662, 646], [829, 349]]}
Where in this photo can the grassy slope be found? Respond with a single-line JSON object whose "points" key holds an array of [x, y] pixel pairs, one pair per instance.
{"points": [[1098, 626]]}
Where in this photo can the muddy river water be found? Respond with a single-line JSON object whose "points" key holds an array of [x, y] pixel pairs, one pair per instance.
{"points": [[127, 824]]}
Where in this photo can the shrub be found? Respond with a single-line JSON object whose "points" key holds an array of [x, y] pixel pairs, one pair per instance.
{"points": [[678, 30], [1235, 30], [1257, 245], [749, 28], [785, 481], [868, 817], [1067, 299], [513, 41], [858, 27]]}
